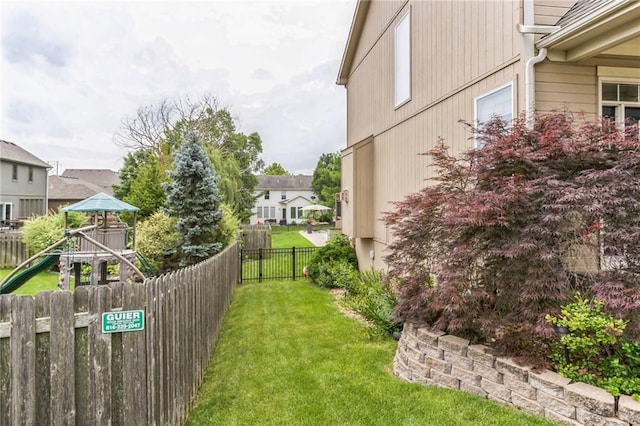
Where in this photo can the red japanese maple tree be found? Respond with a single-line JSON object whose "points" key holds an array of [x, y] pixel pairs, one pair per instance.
{"points": [[484, 251]]}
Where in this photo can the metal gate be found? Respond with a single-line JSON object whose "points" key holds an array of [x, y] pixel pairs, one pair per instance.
{"points": [[274, 264]]}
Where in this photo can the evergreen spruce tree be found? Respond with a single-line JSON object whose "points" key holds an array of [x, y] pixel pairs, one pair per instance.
{"points": [[194, 200]]}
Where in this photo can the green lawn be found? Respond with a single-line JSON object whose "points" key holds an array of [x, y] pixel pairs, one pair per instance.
{"points": [[287, 356], [288, 236], [41, 282]]}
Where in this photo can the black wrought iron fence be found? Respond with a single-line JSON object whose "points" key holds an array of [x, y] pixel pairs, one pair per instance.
{"points": [[274, 264]]}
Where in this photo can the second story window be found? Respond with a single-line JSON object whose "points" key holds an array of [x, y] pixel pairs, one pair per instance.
{"points": [[14, 172], [403, 60], [266, 195], [283, 195], [30, 174]]}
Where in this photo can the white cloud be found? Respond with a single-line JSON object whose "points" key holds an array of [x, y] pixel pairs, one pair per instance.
{"points": [[71, 71]]}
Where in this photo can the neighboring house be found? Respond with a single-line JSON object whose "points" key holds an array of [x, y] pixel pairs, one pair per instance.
{"points": [[104, 178], [23, 184], [413, 69], [279, 199], [65, 190]]}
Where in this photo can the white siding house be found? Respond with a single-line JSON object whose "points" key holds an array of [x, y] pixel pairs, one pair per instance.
{"points": [[279, 199]]}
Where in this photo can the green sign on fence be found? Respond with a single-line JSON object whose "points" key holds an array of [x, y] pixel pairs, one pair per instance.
{"points": [[119, 321]]}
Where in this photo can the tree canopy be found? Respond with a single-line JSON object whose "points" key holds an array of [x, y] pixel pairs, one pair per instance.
{"points": [[326, 180], [275, 169], [157, 132]]}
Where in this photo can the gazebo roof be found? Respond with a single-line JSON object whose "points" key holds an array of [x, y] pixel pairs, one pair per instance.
{"points": [[101, 202]]}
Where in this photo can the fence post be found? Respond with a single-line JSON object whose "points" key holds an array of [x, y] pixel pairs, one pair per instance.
{"points": [[240, 263], [260, 265], [293, 263]]}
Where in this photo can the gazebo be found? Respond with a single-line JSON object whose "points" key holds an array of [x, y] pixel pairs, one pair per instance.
{"points": [[104, 241]]}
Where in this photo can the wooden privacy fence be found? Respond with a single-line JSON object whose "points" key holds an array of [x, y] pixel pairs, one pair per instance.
{"points": [[12, 250], [57, 366], [256, 236]]}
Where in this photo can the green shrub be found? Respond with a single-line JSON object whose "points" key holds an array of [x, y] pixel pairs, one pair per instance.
{"points": [[336, 274], [337, 248], [595, 351], [375, 301], [229, 227], [157, 240], [40, 232]]}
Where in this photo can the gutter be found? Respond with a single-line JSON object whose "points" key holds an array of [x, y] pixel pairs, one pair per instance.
{"points": [[529, 30]]}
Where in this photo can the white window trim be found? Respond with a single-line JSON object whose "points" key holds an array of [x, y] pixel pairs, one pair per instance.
{"points": [[400, 102], [615, 80], [489, 93]]}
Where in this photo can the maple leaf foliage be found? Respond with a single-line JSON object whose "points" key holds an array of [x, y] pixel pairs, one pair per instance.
{"points": [[483, 251]]}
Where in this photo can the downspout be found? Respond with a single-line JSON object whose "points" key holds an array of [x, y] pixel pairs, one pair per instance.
{"points": [[530, 85], [528, 29]]}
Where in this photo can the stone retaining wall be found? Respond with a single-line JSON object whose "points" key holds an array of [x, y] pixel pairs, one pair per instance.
{"points": [[436, 359]]}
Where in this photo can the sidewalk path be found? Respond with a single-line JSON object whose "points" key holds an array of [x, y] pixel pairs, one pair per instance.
{"points": [[318, 238]]}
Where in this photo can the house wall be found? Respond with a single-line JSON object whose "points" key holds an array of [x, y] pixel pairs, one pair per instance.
{"points": [[275, 201], [470, 62], [449, 69], [27, 198]]}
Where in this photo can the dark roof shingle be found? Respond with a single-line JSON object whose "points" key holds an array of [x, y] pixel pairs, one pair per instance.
{"points": [[9, 151], [268, 182]]}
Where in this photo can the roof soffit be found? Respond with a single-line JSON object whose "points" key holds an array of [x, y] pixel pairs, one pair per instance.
{"points": [[597, 32]]}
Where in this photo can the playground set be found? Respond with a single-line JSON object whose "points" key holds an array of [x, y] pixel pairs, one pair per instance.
{"points": [[105, 240]]}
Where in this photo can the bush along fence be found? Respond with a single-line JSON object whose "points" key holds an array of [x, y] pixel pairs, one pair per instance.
{"points": [[435, 359], [62, 363], [12, 250]]}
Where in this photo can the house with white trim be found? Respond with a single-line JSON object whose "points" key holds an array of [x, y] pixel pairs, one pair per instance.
{"points": [[413, 69], [279, 199], [23, 184]]}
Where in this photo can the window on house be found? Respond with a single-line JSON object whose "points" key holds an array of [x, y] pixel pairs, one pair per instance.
{"points": [[259, 213], [403, 60], [5, 211], [621, 103], [496, 103], [296, 212], [30, 174], [14, 172], [283, 195], [266, 195], [272, 212]]}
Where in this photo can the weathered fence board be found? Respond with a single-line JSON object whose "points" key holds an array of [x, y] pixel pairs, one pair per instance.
{"points": [[62, 334], [23, 360], [12, 250], [58, 368]]}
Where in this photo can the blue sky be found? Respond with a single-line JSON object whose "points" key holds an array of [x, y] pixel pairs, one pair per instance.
{"points": [[72, 71]]}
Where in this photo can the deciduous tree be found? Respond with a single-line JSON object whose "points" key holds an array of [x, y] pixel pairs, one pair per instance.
{"points": [[496, 241], [326, 180]]}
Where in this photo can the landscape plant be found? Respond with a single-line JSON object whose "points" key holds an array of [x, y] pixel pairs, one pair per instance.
{"points": [[194, 201], [593, 349], [496, 241], [39, 232], [371, 296], [337, 248], [157, 239]]}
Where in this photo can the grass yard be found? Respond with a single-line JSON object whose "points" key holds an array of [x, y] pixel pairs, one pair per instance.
{"points": [[288, 236], [287, 356], [41, 282]]}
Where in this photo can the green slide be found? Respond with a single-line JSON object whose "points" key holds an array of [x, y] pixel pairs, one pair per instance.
{"points": [[24, 276]]}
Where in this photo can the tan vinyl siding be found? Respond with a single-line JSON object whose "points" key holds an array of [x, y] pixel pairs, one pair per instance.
{"points": [[548, 12], [363, 164], [566, 85], [347, 185], [487, 37]]}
